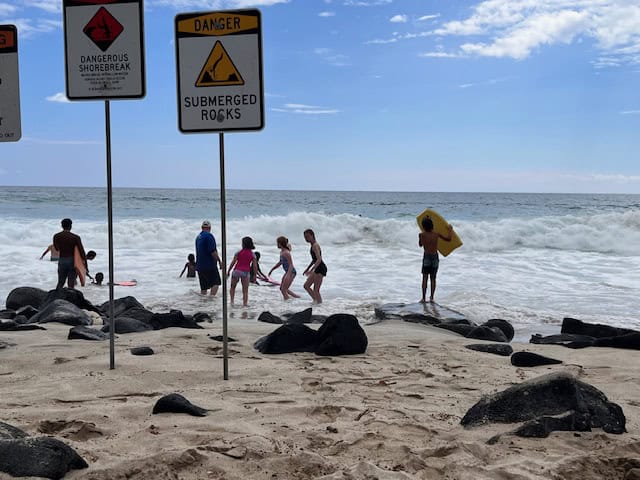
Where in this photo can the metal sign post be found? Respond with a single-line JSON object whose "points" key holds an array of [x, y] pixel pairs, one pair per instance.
{"points": [[10, 125], [104, 59], [220, 89]]}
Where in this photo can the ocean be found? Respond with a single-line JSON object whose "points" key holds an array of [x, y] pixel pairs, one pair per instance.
{"points": [[531, 259]]}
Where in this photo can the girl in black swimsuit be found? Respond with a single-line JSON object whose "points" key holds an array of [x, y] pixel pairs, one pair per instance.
{"points": [[317, 270]]}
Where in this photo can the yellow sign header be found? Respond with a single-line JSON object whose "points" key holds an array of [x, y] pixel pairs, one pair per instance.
{"points": [[217, 24]]}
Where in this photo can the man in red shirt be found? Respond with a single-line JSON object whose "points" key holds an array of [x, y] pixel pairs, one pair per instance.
{"points": [[66, 242]]}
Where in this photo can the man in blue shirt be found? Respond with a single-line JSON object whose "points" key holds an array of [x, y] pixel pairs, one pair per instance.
{"points": [[207, 260]]}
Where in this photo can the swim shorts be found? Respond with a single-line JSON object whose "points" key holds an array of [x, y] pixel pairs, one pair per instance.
{"points": [[430, 263], [239, 274], [209, 278], [66, 269]]}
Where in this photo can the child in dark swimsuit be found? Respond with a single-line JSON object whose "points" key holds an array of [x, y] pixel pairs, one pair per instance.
{"points": [[190, 266], [428, 240], [286, 261], [317, 270]]}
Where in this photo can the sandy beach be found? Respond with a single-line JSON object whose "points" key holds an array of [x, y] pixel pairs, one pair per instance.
{"points": [[392, 413]]}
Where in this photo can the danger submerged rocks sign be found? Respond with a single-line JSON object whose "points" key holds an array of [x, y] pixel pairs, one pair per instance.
{"points": [[219, 70]]}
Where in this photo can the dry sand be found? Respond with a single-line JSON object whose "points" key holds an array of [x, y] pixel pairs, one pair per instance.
{"points": [[392, 413]]}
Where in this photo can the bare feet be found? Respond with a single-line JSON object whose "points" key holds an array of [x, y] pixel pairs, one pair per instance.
{"points": [[422, 301]]}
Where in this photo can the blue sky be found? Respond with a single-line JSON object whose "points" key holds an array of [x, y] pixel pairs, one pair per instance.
{"points": [[416, 95]]}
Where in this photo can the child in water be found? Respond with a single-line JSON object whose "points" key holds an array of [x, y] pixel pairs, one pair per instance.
{"points": [[286, 261], [428, 240], [244, 263], [190, 266], [259, 274], [317, 270]]}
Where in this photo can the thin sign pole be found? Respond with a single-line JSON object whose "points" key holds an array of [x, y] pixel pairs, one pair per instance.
{"points": [[112, 327], [223, 220]]}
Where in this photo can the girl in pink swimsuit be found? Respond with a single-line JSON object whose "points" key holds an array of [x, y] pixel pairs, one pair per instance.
{"points": [[244, 263]]}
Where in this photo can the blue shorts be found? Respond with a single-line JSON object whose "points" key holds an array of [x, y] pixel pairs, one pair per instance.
{"points": [[239, 274], [430, 263]]}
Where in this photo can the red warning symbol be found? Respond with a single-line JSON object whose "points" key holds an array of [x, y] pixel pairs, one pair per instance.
{"points": [[103, 29]]}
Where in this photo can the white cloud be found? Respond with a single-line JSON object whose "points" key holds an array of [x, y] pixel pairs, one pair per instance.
{"points": [[327, 14], [399, 19], [438, 55], [515, 29], [424, 18], [301, 109], [630, 112], [58, 97]]}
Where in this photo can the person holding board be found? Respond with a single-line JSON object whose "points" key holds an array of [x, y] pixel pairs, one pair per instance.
{"points": [[428, 240]]}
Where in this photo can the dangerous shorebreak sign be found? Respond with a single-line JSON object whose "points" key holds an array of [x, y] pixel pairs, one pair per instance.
{"points": [[219, 71], [104, 49], [10, 130]]}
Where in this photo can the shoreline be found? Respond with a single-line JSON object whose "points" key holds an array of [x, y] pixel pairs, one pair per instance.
{"points": [[393, 412]]}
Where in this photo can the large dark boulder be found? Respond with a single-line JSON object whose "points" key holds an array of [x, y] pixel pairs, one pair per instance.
{"points": [[341, 334], [176, 403], [597, 330], [288, 338], [43, 457], [71, 295], [63, 312], [504, 350], [127, 325], [530, 359], [23, 296], [83, 332], [549, 395], [174, 318]]}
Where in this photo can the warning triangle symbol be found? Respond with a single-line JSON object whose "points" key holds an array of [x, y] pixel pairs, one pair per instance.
{"points": [[219, 70]]}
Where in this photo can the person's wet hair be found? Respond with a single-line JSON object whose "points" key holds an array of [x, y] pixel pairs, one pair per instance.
{"points": [[99, 278], [66, 223], [91, 255], [427, 224], [191, 257], [257, 255], [247, 242]]}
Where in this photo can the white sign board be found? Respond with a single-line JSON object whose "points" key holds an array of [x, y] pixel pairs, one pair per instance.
{"points": [[219, 71], [104, 49], [10, 130]]}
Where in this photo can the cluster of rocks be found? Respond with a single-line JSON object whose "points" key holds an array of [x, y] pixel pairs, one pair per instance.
{"points": [[494, 330], [578, 334], [28, 308]]}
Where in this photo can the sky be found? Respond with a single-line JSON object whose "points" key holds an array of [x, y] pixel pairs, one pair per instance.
{"points": [[392, 95]]}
